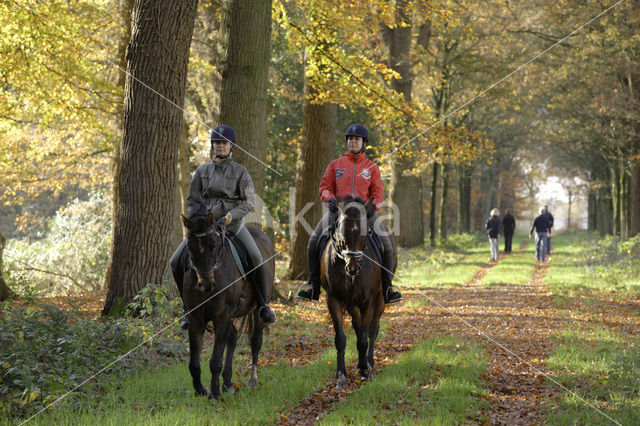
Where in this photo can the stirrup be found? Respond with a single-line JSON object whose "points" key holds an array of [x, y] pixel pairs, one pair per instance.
{"points": [[392, 295], [266, 313], [305, 292]]}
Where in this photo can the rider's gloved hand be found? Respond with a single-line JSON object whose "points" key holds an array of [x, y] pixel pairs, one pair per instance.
{"points": [[372, 210], [333, 206], [225, 220]]}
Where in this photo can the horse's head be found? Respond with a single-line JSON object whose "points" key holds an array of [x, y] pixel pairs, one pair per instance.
{"points": [[350, 234], [204, 243]]}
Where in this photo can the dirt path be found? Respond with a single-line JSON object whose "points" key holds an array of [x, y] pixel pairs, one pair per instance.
{"points": [[513, 323]]}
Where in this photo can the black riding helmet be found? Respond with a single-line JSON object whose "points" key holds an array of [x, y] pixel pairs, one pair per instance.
{"points": [[223, 133], [358, 129]]}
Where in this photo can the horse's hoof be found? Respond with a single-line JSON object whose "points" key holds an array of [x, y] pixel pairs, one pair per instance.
{"points": [[342, 381], [212, 396], [231, 389], [253, 383]]}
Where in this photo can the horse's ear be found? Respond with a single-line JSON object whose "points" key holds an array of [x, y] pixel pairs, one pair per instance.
{"points": [[185, 221], [368, 204], [211, 219]]}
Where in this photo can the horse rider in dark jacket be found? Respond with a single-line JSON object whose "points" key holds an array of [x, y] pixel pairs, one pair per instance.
{"points": [[228, 191], [352, 174]]}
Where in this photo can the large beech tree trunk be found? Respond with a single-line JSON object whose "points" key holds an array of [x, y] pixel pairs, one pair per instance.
{"points": [[124, 10], [318, 140], [405, 188], [246, 32], [157, 56]]}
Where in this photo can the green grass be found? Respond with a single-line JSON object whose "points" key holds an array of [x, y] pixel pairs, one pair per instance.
{"points": [[515, 268], [436, 382], [165, 395], [604, 374], [422, 268], [600, 366]]}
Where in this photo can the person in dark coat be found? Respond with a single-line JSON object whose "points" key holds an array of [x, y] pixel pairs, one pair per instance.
{"points": [[508, 227], [228, 191], [550, 218], [541, 226], [493, 232]]}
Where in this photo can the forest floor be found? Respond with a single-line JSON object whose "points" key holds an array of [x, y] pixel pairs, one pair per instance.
{"points": [[512, 322], [515, 323]]}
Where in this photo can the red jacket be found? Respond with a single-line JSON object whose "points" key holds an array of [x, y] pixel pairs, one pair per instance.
{"points": [[352, 174]]}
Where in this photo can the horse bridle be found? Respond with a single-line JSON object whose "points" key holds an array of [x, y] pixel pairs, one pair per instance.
{"points": [[347, 254], [210, 275]]}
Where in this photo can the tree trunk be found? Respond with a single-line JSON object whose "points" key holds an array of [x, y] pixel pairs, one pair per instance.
{"points": [[161, 36], [446, 167], [616, 199], [592, 208], [246, 31], [570, 200], [405, 189], [319, 124], [124, 9], [433, 229], [634, 183], [605, 211], [624, 203], [464, 198], [4, 289]]}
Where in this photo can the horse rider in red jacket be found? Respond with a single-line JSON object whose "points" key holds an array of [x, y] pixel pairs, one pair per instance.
{"points": [[352, 174]]}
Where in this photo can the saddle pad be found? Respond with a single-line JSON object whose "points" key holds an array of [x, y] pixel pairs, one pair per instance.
{"points": [[240, 255]]}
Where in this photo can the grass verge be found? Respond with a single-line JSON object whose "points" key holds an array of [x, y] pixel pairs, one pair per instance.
{"points": [[436, 382]]}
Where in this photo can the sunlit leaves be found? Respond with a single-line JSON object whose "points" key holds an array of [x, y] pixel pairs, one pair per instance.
{"points": [[57, 98]]}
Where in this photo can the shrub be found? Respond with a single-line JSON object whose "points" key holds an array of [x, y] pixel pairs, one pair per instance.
{"points": [[46, 352], [462, 242], [72, 257]]}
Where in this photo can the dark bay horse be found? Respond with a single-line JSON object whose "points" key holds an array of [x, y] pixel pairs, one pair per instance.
{"points": [[214, 290], [350, 275]]}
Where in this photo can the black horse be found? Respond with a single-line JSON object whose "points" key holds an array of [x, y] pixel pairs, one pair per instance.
{"points": [[351, 277], [214, 290]]}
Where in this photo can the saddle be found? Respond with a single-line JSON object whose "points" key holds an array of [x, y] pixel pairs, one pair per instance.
{"points": [[374, 239]]}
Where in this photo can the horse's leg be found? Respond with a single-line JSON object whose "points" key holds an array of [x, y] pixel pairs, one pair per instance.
{"points": [[215, 363], [232, 339], [372, 331], [256, 345], [361, 335], [340, 340], [196, 332]]}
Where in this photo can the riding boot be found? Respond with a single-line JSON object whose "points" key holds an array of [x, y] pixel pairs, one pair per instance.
{"points": [[260, 286], [389, 293], [311, 290]]}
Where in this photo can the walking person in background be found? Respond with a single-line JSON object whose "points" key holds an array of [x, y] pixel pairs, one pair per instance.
{"points": [[493, 231], [550, 218], [541, 226], [508, 227]]}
